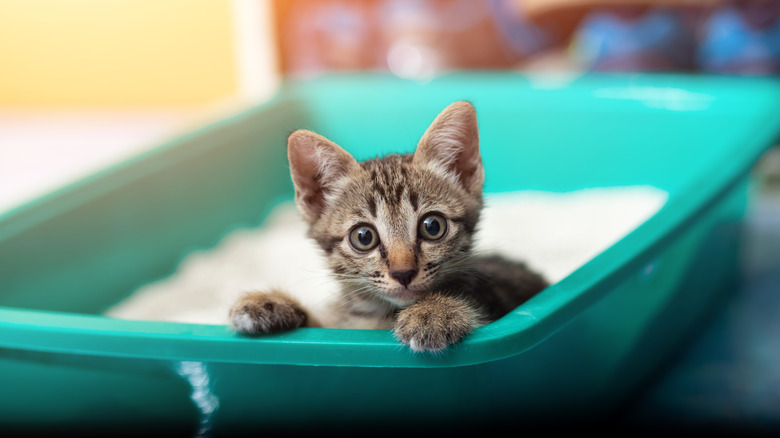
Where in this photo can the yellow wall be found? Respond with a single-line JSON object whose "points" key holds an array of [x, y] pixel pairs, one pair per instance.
{"points": [[116, 52]]}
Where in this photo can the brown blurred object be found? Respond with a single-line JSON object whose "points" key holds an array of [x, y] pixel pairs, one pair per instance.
{"points": [[411, 38], [538, 9], [313, 34]]}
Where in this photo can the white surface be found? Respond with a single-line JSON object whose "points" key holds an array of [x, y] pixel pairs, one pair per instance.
{"points": [[553, 232], [41, 151]]}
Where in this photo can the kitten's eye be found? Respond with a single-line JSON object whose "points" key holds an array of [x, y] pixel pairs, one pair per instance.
{"points": [[363, 238], [433, 227]]}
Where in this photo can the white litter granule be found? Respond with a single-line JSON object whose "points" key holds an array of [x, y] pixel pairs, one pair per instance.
{"points": [[554, 233]]}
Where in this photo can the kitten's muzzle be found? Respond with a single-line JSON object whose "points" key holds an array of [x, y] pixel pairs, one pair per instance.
{"points": [[404, 277]]}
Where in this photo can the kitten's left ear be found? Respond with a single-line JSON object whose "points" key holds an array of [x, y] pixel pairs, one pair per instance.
{"points": [[451, 146]]}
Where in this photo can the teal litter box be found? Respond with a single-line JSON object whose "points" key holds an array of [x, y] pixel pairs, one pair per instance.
{"points": [[575, 352]]}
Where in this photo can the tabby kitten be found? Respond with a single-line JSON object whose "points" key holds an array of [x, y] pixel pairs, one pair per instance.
{"points": [[397, 232]]}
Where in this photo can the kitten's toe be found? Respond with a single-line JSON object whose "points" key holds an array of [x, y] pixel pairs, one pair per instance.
{"points": [[435, 323], [266, 312]]}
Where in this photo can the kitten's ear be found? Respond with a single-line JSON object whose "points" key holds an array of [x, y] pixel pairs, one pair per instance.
{"points": [[316, 166], [451, 146]]}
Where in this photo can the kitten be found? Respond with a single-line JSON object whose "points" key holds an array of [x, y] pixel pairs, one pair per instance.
{"points": [[397, 233]]}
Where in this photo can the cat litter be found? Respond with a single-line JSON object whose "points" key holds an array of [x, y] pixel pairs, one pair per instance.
{"points": [[554, 233]]}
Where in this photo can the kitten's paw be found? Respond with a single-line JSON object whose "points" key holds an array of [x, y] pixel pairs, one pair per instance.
{"points": [[434, 323], [266, 312]]}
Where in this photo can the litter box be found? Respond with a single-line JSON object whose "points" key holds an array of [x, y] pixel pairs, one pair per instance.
{"points": [[576, 352]]}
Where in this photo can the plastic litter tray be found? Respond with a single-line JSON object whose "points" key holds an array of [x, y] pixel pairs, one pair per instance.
{"points": [[577, 351]]}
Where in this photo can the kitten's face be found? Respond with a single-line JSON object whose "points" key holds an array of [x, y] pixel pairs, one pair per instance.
{"points": [[396, 228], [393, 226]]}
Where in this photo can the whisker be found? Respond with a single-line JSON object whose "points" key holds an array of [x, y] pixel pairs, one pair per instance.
{"points": [[351, 296]]}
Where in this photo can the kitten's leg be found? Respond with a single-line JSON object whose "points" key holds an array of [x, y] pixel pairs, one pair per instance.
{"points": [[268, 312], [436, 322]]}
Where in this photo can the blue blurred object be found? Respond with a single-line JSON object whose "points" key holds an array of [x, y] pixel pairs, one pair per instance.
{"points": [[743, 39], [634, 40], [523, 37]]}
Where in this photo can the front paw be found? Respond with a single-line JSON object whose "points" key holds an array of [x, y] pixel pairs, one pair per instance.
{"points": [[266, 312], [434, 323]]}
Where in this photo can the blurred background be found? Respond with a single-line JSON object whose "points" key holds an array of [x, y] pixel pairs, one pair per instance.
{"points": [[85, 84]]}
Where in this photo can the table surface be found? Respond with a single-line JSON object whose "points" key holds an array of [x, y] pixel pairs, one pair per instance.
{"points": [[728, 379], [44, 149]]}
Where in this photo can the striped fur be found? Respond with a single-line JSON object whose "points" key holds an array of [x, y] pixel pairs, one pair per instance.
{"points": [[431, 293]]}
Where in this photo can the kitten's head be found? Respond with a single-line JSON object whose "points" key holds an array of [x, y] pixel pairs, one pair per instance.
{"points": [[394, 226]]}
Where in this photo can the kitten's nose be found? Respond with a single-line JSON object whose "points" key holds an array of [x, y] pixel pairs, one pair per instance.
{"points": [[404, 277]]}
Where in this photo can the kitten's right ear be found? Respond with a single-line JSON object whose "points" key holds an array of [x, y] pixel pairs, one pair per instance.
{"points": [[451, 146], [316, 167]]}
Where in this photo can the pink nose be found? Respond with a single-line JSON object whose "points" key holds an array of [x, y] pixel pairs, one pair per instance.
{"points": [[404, 277]]}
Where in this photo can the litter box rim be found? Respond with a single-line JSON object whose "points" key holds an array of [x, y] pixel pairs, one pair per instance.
{"points": [[525, 327]]}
